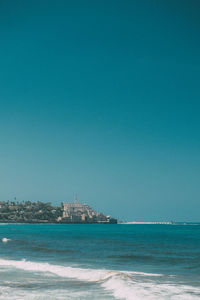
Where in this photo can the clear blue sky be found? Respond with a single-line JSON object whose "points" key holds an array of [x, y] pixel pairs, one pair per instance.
{"points": [[102, 98]]}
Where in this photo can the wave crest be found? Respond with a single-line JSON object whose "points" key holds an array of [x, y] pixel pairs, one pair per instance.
{"points": [[122, 284]]}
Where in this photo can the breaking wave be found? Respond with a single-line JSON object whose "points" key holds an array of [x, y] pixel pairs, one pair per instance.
{"points": [[122, 284]]}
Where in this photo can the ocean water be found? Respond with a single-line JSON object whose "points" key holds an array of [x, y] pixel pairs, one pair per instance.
{"points": [[99, 262]]}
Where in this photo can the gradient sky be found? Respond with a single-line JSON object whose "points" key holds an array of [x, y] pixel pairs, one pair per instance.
{"points": [[102, 98]]}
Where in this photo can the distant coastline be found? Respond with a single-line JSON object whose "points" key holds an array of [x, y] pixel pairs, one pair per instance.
{"points": [[28, 212], [55, 223]]}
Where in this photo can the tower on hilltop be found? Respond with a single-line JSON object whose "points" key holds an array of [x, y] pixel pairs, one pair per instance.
{"points": [[75, 199]]}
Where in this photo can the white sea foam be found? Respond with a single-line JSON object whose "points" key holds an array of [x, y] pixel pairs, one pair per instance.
{"points": [[148, 290], [122, 284], [62, 271], [70, 272], [5, 240], [10, 293]]}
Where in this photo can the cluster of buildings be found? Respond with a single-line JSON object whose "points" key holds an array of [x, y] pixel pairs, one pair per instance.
{"points": [[82, 213], [39, 212]]}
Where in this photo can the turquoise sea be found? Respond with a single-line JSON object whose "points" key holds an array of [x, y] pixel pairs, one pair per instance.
{"points": [[99, 262]]}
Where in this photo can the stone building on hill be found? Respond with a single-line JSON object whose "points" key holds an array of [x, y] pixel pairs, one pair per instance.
{"points": [[74, 212]]}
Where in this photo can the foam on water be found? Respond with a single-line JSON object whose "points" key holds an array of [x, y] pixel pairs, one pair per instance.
{"points": [[18, 294], [122, 284], [62, 271], [143, 290], [70, 272], [5, 240]]}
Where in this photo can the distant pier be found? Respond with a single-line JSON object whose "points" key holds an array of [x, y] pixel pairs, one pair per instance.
{"points": [[149, 223]]}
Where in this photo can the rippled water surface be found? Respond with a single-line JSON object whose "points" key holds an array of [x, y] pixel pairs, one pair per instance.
{"points": [[100, 262]]}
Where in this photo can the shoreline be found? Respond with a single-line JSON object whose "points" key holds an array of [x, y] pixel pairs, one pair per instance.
{"points": [[101, 223], [149, 223]]}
